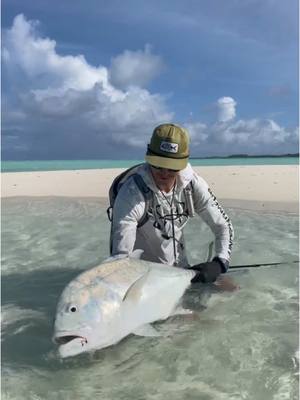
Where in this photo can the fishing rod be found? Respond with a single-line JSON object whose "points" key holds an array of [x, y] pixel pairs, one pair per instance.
{"points": [[262, 265], [210, 252]]}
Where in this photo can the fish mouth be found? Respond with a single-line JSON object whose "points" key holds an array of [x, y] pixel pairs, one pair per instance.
{"points": [[61, 340]]}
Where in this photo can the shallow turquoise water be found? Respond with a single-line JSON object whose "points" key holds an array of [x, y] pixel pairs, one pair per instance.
{"points": [[242, 345], [19, 166]]}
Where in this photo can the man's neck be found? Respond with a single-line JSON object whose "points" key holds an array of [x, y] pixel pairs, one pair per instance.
{"points": [[167, 187]]}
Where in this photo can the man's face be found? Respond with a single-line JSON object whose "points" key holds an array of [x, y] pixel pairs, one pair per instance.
{"points": [[163, 176]]}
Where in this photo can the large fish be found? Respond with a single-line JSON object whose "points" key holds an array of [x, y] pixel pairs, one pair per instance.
{"points": [[119, 297]]}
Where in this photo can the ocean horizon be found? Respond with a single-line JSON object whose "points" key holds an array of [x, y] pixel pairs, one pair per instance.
{"points": [[66, 165]]}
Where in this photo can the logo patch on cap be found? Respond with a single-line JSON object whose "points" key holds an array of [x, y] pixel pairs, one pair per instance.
{"points": [[169, 147]]}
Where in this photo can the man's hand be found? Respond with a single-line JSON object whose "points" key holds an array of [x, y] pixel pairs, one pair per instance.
{"points": [[207, 272]]}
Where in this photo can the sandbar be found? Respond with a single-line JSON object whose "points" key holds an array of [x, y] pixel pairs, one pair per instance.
{"points": [[257, 187]]}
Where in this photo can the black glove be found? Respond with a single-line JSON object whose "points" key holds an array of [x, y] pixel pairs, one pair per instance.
{"points": [[207, 272]]}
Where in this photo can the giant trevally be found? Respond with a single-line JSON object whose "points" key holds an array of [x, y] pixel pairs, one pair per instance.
{"points": [[119, 297]]}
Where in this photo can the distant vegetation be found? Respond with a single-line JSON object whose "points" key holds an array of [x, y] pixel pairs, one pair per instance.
{"points": [[250, 156]]}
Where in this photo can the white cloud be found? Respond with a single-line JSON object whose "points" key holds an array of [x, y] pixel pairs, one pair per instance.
{"points": [[65, 104], [135, 68], [226, 109], [229, 135], [254, 132], [57, 87], [198, 132], [254, 136], [38, 60], [131, 119]]}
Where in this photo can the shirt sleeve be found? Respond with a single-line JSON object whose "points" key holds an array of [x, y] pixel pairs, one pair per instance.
{"points": [[208, 208], [128, 209]]}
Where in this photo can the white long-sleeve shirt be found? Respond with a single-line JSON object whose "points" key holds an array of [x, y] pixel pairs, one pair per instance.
{"points": [[156, 236]]}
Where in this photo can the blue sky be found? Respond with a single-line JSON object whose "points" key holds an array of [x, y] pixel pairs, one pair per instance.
{"points": [[91, 79]]}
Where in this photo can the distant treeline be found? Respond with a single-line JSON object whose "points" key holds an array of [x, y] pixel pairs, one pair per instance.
{"points": [[250, 156]]}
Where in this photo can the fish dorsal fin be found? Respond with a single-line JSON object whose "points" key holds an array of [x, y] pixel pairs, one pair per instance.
{"points": [[135, 290], [114, 258], [137, 254]]}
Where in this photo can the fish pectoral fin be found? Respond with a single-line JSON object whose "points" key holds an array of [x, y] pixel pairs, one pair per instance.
{"points": [[181, 311], [146, 330], [134, 291]]}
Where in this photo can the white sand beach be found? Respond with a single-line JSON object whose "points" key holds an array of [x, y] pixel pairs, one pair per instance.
{"points": [[268, 187]]}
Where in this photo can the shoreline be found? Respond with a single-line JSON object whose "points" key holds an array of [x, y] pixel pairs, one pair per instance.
{"points": [[270, 207], [267, 187]]}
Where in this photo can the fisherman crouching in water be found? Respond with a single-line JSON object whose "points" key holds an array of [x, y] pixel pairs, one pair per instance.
{"points": [[153, 201]]}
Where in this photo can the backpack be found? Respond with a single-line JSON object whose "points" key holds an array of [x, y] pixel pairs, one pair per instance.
{"points": [[139, 181]]}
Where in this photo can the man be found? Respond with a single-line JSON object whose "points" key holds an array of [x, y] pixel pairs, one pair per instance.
{"points": [[176, 193]]}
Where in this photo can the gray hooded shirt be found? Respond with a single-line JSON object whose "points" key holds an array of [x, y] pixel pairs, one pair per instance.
{"points": [[161, 238]]}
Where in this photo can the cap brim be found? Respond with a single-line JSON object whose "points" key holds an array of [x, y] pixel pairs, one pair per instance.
{"points": [[164, 162]]}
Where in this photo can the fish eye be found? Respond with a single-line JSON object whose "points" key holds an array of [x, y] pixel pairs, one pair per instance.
{"points": [[73, 309]]}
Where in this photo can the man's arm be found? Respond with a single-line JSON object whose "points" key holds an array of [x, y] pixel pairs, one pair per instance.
{"points": [[207, 206]]}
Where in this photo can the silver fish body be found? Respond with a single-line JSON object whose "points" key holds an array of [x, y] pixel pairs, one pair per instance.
{"points": [[119, 297]]}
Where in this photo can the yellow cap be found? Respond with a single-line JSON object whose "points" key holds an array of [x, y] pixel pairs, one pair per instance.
{"points": [[169, 147]]}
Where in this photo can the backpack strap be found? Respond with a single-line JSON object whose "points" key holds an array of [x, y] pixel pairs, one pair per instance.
{"points": [[115, 187], [117, 182], [146, 192], [148, 195]]}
